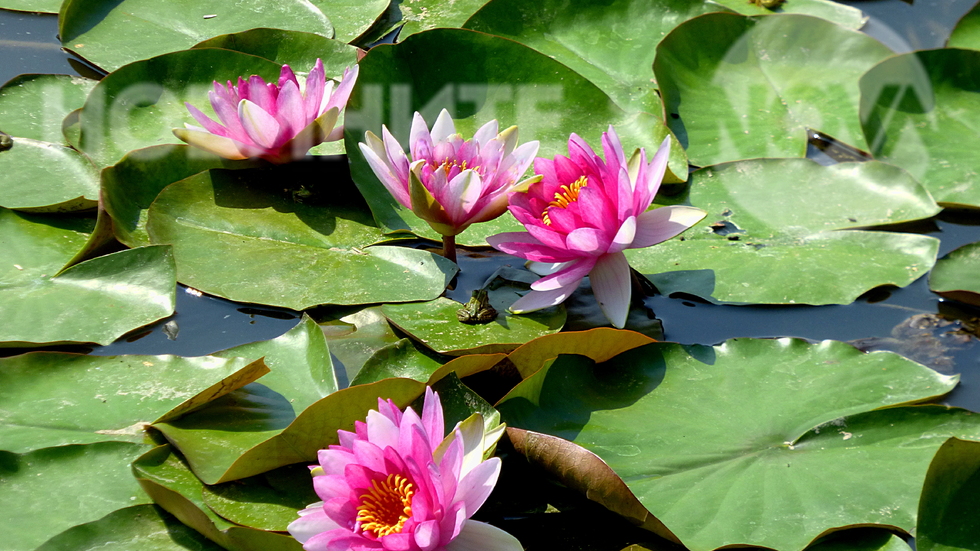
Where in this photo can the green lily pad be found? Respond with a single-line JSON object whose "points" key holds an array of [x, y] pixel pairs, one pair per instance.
{"points": [[167, 480], [34, 6], [223, 224], [101, 398], [436, 324], [950, 498], [845, 16], [957, 275], [753, 442], [299, 50], [139, 105], [612, 44], [255, 429], [109, 295], [45, 492], [269, 501], [130, 186], [966, 33], [767, 242], [355, 338], [422, 15], [547, 100], [110, 35], [144, 527], [41, 173], [299, 363], [919, 112], [399, 359], [737, 87]]}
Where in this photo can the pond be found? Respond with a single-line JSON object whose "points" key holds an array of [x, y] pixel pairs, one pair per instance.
{"points": [[222, 439]]}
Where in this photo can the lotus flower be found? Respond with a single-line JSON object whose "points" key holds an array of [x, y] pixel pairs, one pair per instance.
{"points": [[581, 217], [276, 122], [396, 484], [451, 182]]}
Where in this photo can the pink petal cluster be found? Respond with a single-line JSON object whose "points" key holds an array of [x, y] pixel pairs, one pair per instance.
{"points": [[396, 484], [450, 182], [581, 217], [276, 122]]}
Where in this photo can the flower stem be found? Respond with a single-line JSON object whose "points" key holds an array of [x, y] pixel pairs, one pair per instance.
{"points": [[449, 247]]}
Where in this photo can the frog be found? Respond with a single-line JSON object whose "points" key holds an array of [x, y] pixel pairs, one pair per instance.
{"points": [[768, 4], [477, 310], [926, 338], [6, 142]]}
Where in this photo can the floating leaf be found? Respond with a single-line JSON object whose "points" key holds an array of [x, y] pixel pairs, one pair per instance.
{"points": [[436, 324], [356, 337], [738, 87], [130, 186], [297, 49], [45, 492], [399, 359], [547, 100], [144, 527], [33, 6], [40, 172], [100, 398], [422, 15], [920, 112], [269, 501], [223, 224], [255, 429], [861, 539], [140, 104], [109, 295], [957, 275], [753, 442], [110, 38], [767, 242], [966, 33], [612, 44], [950, 498], [845, 16], [175, 488]]}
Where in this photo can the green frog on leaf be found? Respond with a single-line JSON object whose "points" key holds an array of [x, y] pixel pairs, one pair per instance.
{"points": [[477, 310]]}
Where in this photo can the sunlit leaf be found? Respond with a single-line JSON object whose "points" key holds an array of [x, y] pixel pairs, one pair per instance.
{"points": [[142, 527], [110, 37], [611, 43], [45, 492], [296, 254], [766, 241], [920, 112], [966, 33], [845, 16], [737, 87], [100, 398], [758, 442], [109, 295], [41, 6], [957, 275], [40, 172]]}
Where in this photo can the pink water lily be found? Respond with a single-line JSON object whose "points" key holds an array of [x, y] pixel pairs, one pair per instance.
{"points": [[276, 122], [396, 484], [581, 217], [450, 182]]}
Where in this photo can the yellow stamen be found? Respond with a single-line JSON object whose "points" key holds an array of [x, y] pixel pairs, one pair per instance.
{"points": [[386, 506], [564, 198], [448, 165]]}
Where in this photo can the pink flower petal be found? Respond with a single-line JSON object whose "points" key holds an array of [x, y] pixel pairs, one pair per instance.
{"points": [[444, 127], [479, 536], [612, 286], [261, 127], [537, 300], [573, 272], [660, 224]]}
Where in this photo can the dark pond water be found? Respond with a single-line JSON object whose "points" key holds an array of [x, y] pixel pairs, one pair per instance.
{"points": [[912, 321]]}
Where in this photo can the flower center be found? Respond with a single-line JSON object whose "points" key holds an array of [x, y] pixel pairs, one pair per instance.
{"points": [[565, 197], [448, 165], [386, 506]]}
